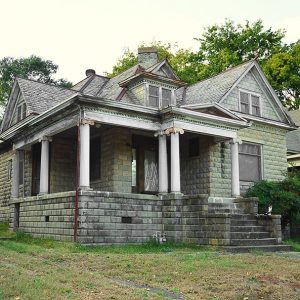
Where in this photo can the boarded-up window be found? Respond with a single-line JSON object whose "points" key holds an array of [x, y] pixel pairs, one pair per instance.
{"points": [[21, 167], [153, 96], [166, 98], [9, 169], [95, 159], [250, 162]]}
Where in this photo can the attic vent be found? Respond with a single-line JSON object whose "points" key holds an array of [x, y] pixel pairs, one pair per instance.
{"points": [[90, 72]]}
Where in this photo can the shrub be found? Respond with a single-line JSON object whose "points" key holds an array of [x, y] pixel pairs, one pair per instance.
{"points": [[284, 196]]}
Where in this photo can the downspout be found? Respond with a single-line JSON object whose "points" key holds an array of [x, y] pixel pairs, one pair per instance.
{"points": [[77, 178]]}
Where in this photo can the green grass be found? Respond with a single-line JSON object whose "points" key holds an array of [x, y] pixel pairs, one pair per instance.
{"points": [[5, 232], [35, 268], [295, 243]]}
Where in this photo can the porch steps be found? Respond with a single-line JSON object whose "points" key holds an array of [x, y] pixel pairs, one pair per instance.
{"points": [[246, 235]]}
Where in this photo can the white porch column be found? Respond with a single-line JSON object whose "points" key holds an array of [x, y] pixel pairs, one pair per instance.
{"points": [[84, 177], [235, 171], [175, 158], [44, 172], [162, 164], [15, 175]]}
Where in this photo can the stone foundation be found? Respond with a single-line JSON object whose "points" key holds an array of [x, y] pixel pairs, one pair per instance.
{"points": [[118, 218]]}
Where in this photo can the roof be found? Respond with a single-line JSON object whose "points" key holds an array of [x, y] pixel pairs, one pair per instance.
{"points": [[40, 97], [214, 88], [295, 115]]}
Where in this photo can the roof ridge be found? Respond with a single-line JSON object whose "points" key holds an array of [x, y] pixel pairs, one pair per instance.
{"points": [[227, 70], [90, 79], [52, 85]]}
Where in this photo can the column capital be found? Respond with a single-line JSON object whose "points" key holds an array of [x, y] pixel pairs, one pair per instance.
{"points": [[236, 141], [86, 121], [159, 133], [171, 130], [45, 138]]}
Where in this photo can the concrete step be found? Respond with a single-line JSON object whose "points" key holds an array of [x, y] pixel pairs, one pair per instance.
{"points": [[225, 211], [243, 222], [250, 235], [266, 248], [253, 242], [247, 228]]}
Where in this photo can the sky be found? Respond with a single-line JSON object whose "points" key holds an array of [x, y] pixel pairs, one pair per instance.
{"points": [[81, 34]]}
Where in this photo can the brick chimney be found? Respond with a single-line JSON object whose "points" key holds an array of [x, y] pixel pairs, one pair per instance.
{"points": [[147, 56], [90, 72]]}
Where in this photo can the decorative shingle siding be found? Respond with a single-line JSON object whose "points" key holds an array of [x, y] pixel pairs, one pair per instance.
{"points": [[248, 83], [139, 92], [5, 184]]}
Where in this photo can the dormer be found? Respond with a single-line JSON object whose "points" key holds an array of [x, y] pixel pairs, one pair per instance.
{"points": [[154, 83]]}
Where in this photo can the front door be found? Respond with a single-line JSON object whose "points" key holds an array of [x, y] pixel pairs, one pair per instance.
{"points": [[144, 165]]}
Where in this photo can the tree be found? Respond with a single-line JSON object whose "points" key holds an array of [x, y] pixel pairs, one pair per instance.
{"points": [[227, 45], [283, 71], [32, 67]]}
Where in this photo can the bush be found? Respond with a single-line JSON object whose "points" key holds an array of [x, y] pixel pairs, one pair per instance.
{"points": [[284, 196]]}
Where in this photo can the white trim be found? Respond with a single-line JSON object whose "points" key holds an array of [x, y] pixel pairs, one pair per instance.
{"points": [[200, 129], [267, 97], [111, 119], [265, 80]]}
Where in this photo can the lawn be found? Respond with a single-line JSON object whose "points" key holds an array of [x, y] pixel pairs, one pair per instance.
{"points": [[44, 269]]}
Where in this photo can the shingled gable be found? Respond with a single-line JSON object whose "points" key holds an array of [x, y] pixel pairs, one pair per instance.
{"points": [[38, 97]]}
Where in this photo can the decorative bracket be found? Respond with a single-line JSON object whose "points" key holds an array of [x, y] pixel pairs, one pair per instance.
{"points": [[87, 121]]}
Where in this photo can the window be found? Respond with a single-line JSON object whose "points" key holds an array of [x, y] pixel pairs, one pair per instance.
{"points": [[159, 97], [250, 162], [153, 96], [21, 167], [21, 112], [249, 103], [95, 159], [166, 98], [193, 147], [9, 169]]}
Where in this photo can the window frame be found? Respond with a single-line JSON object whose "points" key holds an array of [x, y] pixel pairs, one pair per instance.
{"points": [[261, 171], [160, 88], [250, 94], [21, 111]]}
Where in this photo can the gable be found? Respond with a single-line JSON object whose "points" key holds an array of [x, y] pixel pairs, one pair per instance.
{"points": [[252, 83], [163, 69]]}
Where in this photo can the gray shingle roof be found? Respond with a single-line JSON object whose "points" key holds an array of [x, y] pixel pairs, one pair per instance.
{"points": [[40, 97], [214, 88], [95, 85], [112, 89]]}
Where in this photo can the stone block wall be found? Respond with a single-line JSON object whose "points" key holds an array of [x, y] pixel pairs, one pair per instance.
{"points": [[48, 216], [62, 165], [114, 218], [116, 160], [220, 169], [195, 172], [5, 183]]}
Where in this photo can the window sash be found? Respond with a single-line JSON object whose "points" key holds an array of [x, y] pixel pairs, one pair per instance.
{"points": [[250, 103], [166, 97], [250, 162]]}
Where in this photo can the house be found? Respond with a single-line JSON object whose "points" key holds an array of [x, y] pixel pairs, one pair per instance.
{"points": [[143, 154], [293, 142]]}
